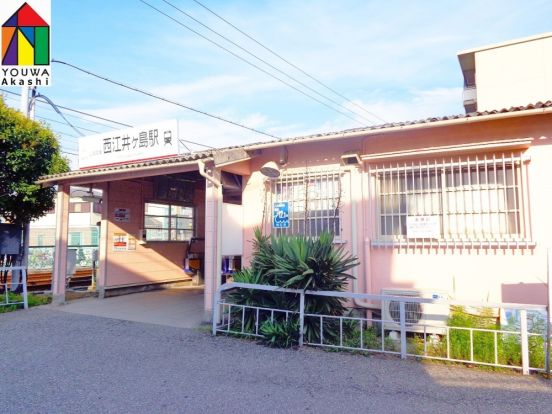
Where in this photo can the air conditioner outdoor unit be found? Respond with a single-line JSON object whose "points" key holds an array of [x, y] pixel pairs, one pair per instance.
{"points": [[420, 317]]}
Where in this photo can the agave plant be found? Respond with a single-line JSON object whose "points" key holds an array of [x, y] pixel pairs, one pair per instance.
{"points": [[297, 262]]}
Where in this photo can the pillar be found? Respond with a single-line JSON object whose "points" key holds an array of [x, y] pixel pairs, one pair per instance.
{"points": [[213, 196], [59, 273], [101, 280]]}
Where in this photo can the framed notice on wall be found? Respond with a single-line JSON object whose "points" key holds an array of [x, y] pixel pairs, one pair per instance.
{"points": [[120, 242], [122, 215], [423, 227]]}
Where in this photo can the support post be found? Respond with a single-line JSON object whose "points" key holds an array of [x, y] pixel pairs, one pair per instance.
{"points": [[213, 234], [524, 342], [549, 308], [101, 279], [403, 329], [216, 311], [59, 274], [25, 293], [301, 318]]}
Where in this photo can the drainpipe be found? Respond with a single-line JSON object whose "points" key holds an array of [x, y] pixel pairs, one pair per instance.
{"points": [[216, 256], [354, 244]]}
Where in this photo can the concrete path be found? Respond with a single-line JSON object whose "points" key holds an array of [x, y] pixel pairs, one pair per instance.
{"points": [[179, 307], [61, 362]]}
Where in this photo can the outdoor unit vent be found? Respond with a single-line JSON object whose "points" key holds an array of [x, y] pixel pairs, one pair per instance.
{"points": [[420, 317]]}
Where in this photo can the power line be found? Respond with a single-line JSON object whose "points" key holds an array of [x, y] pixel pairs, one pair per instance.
{"points": [[53, 105], [74, 116], [196, 143], [36, 96], [249, 62], [165, 99], [59, 122], [288, 62], [267, 63], [79, 112], [65, 134]]}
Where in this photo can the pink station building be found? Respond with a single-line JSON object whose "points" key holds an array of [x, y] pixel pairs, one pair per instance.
{"points": [[458, 205]]}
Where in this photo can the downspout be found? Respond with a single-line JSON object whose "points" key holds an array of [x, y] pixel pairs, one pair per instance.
{"points": [[216, 256], [354, 245]]}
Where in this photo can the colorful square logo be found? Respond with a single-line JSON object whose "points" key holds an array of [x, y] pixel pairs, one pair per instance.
{"points": [[25, 39], [26, 42]]}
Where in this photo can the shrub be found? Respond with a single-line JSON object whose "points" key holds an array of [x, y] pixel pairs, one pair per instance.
{"points": [[34, 300], [508, 345], [301, 263], [280, 334]]}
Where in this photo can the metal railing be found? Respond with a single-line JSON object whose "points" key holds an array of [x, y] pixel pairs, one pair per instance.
{"points": [[7, 298], [42, 257], [469, 94], [512, 347]]}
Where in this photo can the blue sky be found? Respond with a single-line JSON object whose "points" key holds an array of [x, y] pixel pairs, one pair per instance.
{"points": [[397, 59]]}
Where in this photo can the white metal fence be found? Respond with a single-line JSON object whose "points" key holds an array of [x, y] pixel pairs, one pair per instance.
{"points": [[8, 298], [523, 346]]}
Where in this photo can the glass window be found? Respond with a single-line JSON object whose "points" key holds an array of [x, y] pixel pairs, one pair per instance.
{"points": [[468, 199], [168, 222], [314, 202], [95, 236], [74, 239]]}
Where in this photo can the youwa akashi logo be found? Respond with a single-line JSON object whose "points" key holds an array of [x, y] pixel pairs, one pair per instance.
{"points": [[25, 42], [25, 39]]}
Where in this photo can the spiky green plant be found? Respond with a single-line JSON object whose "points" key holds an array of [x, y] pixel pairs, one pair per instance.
{"points": [[302, 263], [281, 334]]}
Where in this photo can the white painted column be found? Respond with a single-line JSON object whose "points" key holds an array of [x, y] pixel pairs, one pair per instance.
{"points": [[59, 274], [103, 243], [213, 196]]}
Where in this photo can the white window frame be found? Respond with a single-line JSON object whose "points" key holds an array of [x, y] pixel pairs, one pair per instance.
{"points": [[490, 196], [312, 196], [170, 218]]}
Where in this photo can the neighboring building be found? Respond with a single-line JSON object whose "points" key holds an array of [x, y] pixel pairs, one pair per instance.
{"points": [[84, 216], [503, 75], [457, 205]]}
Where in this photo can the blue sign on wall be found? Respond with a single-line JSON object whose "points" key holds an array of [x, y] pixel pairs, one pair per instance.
{"points": [[280, 215]]}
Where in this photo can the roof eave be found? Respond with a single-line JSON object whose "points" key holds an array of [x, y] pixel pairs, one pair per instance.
{"points": [[401, 128], [122, 173]]}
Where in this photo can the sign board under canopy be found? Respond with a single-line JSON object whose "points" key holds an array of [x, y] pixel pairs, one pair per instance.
{"points": [[145, 142]]}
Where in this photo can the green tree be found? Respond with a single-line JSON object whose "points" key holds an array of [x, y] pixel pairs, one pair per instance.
{"points": [[28, 150]]}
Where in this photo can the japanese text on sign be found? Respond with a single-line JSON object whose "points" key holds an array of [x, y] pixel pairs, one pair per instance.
{"points": [[133, 144], [280, 216], [423, 227]]}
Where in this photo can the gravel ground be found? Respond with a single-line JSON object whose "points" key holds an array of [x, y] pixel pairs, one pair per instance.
{"points": [[57, 362]]}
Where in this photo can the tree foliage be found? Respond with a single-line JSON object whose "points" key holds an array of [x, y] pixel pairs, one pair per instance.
{"points": [[28, 150]]}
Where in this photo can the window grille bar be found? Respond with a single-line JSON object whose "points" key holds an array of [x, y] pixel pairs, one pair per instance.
{"points": [[421, 198], [406, 201], [504, 193], [476, 199], [497, 194], [384, 201], [481, 227], [514, 191], [523, 191], [489, 213], [313, 201]]}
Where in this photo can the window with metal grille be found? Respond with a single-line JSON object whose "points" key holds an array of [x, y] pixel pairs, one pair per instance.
{"points": [[478, 198], [313, 200], [168, 222]]}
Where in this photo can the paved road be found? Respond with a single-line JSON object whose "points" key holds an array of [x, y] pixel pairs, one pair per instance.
{"points": [[58, 362]]}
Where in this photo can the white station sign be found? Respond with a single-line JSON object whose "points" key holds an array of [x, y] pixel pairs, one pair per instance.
{"points": [[423, 227], [146, 142]]}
